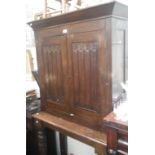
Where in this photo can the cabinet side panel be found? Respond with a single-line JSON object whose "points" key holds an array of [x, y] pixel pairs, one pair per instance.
{"points": [[41, 71], [119, 59], [108, 77]]}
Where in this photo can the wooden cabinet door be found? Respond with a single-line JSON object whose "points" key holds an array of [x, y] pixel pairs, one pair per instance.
{"points": [[55, 69], [88, 69]]}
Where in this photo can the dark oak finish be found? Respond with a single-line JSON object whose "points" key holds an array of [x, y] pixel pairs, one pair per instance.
{"points": [[51, 142], [75, 63], [117, 135], [31, 140], [88, 94], [108, 9], [42, 139], [75, 56], [97, 139]]}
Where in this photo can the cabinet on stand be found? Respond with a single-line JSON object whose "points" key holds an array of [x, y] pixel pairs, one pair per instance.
{"points": [[81, 64]]}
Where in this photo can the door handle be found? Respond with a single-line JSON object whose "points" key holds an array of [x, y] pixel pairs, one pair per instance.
{"points": [[71, 114]]}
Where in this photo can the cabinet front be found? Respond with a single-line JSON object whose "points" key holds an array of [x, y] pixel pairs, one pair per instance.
{"points": [[55, 67], [75, 72]]}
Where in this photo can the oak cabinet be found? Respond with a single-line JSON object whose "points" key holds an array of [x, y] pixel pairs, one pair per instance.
{"points": [[81, 62]]}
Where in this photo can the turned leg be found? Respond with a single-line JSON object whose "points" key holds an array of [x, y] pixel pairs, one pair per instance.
{"points": [[112, 141], [41, 138]]}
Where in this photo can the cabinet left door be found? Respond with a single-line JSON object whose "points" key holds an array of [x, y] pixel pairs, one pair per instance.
{"points": [[53, 66]]}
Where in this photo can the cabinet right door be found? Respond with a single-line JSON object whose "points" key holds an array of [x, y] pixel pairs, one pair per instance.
{"points": [[88, 71]]}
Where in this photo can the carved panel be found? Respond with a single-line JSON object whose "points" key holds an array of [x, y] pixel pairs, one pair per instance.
{"points": [[85, 55], [54, 72], [52, 48], [84, 47]]}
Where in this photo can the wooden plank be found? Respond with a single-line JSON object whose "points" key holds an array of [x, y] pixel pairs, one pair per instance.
{"points": [[82, 133]]}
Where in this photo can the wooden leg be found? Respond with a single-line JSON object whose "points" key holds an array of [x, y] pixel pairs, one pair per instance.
{"points": [[51, 142], [100, 150], [112, 152], [41, 137], [63, 144]]}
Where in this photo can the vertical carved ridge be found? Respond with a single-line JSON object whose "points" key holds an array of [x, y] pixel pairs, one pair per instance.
{"points": [[75, 74], [81, 68], [52, 85], [45, 56], [90, 80], [78, 94], [87, 77], [50, 72], [56, 75], [93, 51], [60, 75]]}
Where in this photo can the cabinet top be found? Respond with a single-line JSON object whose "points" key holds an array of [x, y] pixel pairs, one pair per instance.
{"points": [[109, 9]]}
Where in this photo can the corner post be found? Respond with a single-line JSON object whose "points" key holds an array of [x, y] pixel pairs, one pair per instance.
{"points": [[41, 137]]}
